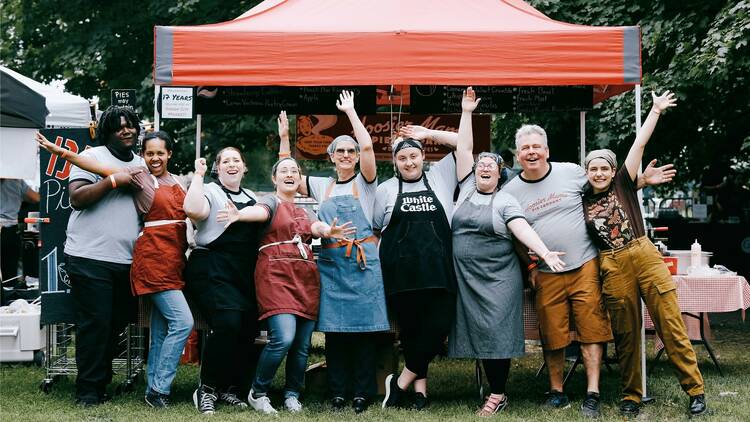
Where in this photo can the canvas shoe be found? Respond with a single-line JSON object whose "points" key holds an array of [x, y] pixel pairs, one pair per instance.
{"points": [[393, 393], [262, 404], [556, 400], [204, 399], [292, 404], [157, 400], [590, 407], [229, 397]]}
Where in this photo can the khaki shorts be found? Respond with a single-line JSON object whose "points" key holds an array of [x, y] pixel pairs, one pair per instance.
{"points": [[580, 291]]}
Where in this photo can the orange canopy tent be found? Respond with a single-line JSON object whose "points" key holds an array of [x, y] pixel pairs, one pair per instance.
{"points": [[413, 42]]}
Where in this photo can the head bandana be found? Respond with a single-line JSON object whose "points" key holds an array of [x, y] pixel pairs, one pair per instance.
{"points": [[605, 154], [407, 143]]}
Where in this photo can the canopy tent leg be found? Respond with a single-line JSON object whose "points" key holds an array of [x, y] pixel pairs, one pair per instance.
{"points": [[198, 136], [583, 137]]}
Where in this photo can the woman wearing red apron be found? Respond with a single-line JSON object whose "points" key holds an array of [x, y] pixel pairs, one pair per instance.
{"points": [[163, 240], [287, 282]]}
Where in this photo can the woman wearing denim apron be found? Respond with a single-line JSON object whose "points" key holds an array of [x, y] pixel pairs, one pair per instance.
{"points": [[352, 301]]}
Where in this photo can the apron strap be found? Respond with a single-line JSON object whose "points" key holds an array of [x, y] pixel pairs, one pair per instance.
{"points": [[156, 181], [297, 239], [349, 244], [329, 189]]}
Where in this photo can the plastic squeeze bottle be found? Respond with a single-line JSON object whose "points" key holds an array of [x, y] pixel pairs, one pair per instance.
{"points": [[695, 254]]}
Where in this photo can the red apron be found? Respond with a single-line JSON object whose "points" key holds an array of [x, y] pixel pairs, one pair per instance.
{"points": [[159, 252], [286, 276]]}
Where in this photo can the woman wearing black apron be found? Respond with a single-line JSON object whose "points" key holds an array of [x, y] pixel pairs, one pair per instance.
{"points": [[412, 211], [219, 278]]}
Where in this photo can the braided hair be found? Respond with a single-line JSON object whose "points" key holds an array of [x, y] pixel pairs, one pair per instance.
{"points": [[109, 122]]}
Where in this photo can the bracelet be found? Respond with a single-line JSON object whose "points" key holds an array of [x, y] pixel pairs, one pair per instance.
{"points": [[531, 266], [112, 179], [654, 111], [285, 154]]}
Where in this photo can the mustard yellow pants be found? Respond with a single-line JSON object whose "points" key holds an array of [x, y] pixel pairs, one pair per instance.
{"points": [[630, 273]]}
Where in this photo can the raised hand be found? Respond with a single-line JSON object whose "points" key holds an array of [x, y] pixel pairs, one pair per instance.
{"points": [[469, 101], [228, 215], [414, 132], [283, 122], [49, 146], [345, 101], [200, 167], [339, 232], [663, 101], [653, 175], [552, 259]]}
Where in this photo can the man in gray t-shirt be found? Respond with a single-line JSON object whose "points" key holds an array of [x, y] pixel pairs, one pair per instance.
{"points": [[12, 193], [550, 195], [100, 237]]}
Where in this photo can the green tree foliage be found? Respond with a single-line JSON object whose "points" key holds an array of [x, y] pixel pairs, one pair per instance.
{"points": [[698, 48]]}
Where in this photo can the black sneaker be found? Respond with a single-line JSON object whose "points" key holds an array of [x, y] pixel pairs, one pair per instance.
{"points": [[359, 404], [157, 400], [393, 394], [230, 397], [629, 408], [420, 401], [590, 407], [204, 399], [88, 401], [338, 403], [698, 405], [556, 400]]}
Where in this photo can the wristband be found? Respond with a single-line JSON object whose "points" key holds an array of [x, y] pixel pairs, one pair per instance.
{"points": [[654, 111], [531, 266], [285, 154], [112, 179]]}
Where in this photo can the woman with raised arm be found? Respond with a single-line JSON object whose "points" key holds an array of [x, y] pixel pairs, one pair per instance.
{"points": [[632, 269], [352, 300], [158, 198], [219, 277], [489, 310], [286, 280], [412, 211]]}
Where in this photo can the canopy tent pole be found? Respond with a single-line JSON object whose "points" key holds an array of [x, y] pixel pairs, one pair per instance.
{"points": [[157, 120], [198, 136], [583, 137], [645, 398]]}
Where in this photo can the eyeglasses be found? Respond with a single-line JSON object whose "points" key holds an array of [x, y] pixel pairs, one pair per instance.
{"points": [[486, 166], [342, 151], [288, 171]]}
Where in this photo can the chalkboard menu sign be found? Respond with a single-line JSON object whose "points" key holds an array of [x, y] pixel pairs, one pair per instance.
{"points": [[54, 203], [502, 99], [272, 99]]}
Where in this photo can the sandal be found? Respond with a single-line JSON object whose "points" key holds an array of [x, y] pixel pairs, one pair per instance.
{"points": [[495, 403]]}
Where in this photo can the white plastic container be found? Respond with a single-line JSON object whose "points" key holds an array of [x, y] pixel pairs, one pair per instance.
{"points": [[695, 254], [683, 259], [20, 337]]}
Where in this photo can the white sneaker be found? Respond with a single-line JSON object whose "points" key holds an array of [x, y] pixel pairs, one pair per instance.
{"points": [[262, 404], [292, 404]]}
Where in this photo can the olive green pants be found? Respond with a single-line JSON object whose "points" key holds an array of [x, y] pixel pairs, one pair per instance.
{"points": [[630, 273]]}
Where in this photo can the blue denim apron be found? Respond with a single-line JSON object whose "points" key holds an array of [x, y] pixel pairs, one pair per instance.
{"points": [[352, 299]]}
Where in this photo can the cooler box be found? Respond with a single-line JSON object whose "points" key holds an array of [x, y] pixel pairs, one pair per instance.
{"points": [[20, 336]]}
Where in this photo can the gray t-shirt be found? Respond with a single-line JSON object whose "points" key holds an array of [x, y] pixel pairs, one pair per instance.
{"points": [[442, 179], [317, 187], [12, 192], [209, 229], [505, 208], [106, 230], [553, 205]]}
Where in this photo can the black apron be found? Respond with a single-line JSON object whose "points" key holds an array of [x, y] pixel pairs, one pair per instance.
{"points": [[220, 275], [416, 251]]}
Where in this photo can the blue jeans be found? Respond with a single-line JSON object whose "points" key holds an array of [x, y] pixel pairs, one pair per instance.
{"points": [[171, 323], [289, 335]]}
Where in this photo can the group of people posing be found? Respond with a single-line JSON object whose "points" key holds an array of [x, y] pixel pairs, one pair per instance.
{"points": [[440, 267]]}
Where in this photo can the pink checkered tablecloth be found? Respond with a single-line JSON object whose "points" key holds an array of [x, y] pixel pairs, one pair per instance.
{"points": [[710, 294]]}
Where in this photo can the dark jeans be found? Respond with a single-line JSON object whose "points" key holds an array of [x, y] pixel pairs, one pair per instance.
{"points": [[424, 319], [104, 306], [10, 250], [229, 354], [496, 371], [350, 362]]}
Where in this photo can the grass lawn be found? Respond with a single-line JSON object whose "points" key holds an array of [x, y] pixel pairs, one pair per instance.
{"points": [[452, 391]]}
